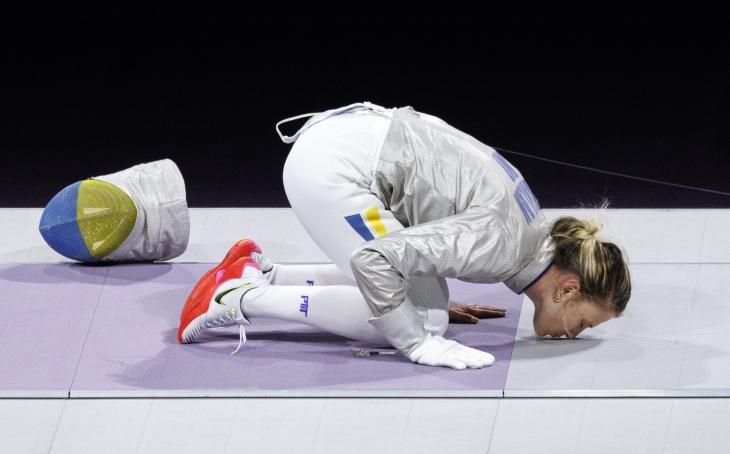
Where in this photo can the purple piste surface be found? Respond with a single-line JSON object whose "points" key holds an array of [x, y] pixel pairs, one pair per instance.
{"points": [[114, 328], [8, 289], [132, 345], [45, 314]]}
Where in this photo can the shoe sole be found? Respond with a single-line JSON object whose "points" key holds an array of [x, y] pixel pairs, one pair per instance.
{"points": [[199, 299]]}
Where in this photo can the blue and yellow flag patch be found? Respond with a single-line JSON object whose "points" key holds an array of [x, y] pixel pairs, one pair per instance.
{"points": [[367, 224]]}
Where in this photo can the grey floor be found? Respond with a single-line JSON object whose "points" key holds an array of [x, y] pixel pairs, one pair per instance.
{"points": [[672, 347]]}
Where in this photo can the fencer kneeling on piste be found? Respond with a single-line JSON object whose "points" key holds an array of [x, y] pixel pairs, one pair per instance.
{"points": [[399, 200]]}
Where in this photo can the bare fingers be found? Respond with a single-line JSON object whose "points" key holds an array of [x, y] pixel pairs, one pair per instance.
{"points": [[485, 311]]}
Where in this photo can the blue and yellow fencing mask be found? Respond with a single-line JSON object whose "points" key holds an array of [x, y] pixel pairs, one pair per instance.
{"points": [[138, 214]]}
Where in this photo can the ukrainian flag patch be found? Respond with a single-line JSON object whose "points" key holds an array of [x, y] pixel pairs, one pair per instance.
{"points": [[367, 224]]}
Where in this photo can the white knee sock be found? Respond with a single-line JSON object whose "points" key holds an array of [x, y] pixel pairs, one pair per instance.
{"points": [[320, 274], [337, 309], [334, 303]]}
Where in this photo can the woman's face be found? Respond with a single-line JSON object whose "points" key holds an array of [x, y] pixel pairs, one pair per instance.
{"points": [[568, 317]]}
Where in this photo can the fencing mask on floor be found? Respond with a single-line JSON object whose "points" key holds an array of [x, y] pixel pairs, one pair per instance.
{"points": [[138, 214]]}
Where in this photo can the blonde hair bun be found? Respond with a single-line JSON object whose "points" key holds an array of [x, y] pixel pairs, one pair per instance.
{"points": [[569, 227], [599, 263]]}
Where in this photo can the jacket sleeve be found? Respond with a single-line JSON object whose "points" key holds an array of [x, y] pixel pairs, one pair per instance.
{"points": [[474, 246]]}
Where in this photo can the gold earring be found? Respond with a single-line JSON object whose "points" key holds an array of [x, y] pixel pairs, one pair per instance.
{"points": [[557, 297]]}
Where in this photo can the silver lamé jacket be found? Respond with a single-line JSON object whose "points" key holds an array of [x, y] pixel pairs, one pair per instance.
{"points": [[469, 214]]}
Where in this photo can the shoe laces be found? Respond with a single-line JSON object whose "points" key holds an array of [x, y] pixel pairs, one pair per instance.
{"points": [[241, 339], [226, 319]]}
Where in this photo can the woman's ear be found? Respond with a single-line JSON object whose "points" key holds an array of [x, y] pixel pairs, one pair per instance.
{"points": [[569, 283]]}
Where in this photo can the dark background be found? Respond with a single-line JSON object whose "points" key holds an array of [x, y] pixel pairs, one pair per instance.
{"points": [[89, 90]]}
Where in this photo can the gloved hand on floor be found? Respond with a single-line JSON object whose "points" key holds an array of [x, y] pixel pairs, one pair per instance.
{"points": [[437, 351], [403, 327]]}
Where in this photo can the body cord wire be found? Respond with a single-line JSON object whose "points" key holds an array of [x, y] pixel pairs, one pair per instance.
{"points": [[502, 150]]}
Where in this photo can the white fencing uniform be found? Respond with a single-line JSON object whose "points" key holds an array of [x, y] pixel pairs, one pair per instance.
{"points": [[328, 177], [400, 200]]}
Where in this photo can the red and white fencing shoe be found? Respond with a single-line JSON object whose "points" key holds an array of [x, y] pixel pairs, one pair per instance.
{"points": [[215, 302], [243, 248]]}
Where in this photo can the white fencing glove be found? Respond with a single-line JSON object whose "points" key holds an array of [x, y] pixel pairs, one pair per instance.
{"points": [[437, 351], [404, 329]]}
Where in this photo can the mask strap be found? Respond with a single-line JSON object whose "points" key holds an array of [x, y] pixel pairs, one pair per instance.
{"points": [[287, 139], [325, 115]]}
